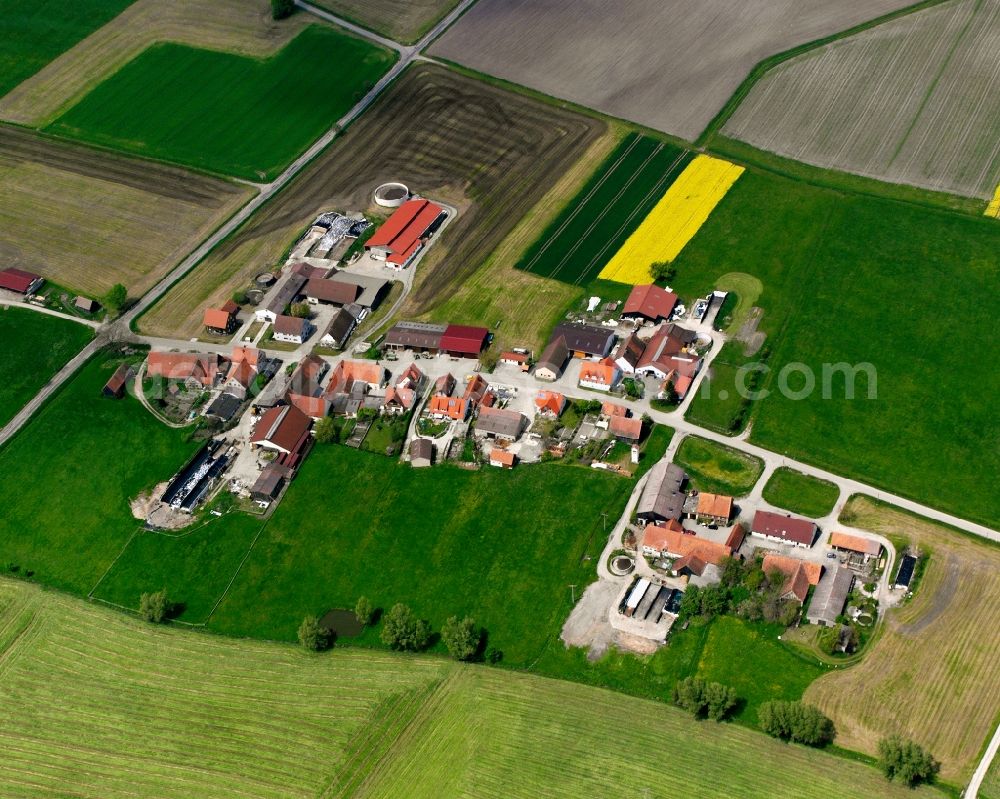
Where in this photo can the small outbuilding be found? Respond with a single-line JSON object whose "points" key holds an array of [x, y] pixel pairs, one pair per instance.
{"points": [[421, 453], [86, 304], [115, 387]]}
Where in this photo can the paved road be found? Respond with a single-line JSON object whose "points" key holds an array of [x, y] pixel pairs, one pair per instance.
{"points": [[119, 328], [984, 765]]}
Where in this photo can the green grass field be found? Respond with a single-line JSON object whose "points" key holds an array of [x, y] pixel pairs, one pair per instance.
{"points": [[36, 33], [801, 493], [224, 112], [36, 346], [718, 468], [500, 546], [82, 458], [594, 225], [99, 704], [859, 279]]}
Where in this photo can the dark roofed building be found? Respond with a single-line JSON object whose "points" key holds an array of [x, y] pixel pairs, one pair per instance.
{"points": [[784, 529], [285, 295], [830, 596], [268, 485], [662, 497], [585, 341], [419, 336], [421, 452], [291, 329], [282, 428], [224, 407], [339, 330], [333, 292], [499, 423], [904, 574], [552, 360]]}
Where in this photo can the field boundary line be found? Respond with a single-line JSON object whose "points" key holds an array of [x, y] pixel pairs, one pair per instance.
{"points": [[236, 574], [579, 206], [607, 209], [764, 66], [658, 189], [135, 532]]}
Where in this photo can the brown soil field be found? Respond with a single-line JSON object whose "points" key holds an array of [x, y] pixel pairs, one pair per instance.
{"points": [[915, 100], [525, 304], [488, 152], [402, 20], [668, 64], [238, 26], [87, 219], [932, 674]]}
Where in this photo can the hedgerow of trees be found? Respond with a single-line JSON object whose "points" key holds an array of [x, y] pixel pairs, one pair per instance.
{"points": [[795, 721]]}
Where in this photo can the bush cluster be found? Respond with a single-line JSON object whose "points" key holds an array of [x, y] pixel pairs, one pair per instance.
{"points": [[906, 761], [795, 721], [704, 699]]}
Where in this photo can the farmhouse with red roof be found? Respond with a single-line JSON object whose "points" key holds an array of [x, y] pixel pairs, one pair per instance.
{"points": [[649, 304]]}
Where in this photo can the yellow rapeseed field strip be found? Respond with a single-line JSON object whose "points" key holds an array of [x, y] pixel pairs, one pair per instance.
{"points": [[993, 209], [673, 222]]}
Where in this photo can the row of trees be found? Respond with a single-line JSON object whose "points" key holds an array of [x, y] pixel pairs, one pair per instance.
{"points": [[404, 631], [705, 699]]}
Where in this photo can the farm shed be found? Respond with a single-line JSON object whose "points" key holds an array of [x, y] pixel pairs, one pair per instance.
{"points": [[585, 341], [331, 292], [464, 341], [284, 296], [417, 336], [502, 458], [662, 497], [267, 487], [904, 574], [421, 452], [86, 305], [224, 407], [371, 290], [19, 281], [339, 330], [115, 387], [830, 596], [625, 429], [500, 424], [282, 429], [857, 544], [553, 359], [714, 508]]}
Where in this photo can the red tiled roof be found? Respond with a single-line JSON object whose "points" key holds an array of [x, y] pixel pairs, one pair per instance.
{"points": [[736, 537], [452, 407], [609, 408], [217, 318], [230, 306], [799, 574], [17, 280], [651, 302], [347, 372], [678, 544], [183, 366], [315, 407], [788, 528], [625, 428], [404, 397], [501, 456], [243, 372], [516, 357], [464, 339], [715, 505], [602, 372], [550, 401], [282, 427], [406, 226], [855, 543]]}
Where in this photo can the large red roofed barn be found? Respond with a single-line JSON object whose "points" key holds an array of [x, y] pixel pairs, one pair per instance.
{"points": [[463, 341], [19, 281], [402, 235], [649, 304]]}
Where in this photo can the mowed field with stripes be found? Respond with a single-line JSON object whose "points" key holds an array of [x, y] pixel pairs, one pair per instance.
{"points": [[97, 704], [592, 228]]}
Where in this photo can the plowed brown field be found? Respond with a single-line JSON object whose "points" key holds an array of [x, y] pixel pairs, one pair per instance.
{"points": [[87, 219], [491, 153]]}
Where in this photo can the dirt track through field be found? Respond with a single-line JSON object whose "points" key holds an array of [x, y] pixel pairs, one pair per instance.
{"points": [[490, 153], [668, 64], [88, 219], [402, 20]]}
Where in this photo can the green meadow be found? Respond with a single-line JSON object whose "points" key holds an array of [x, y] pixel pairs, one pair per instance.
{"points": [[228, 113]]}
